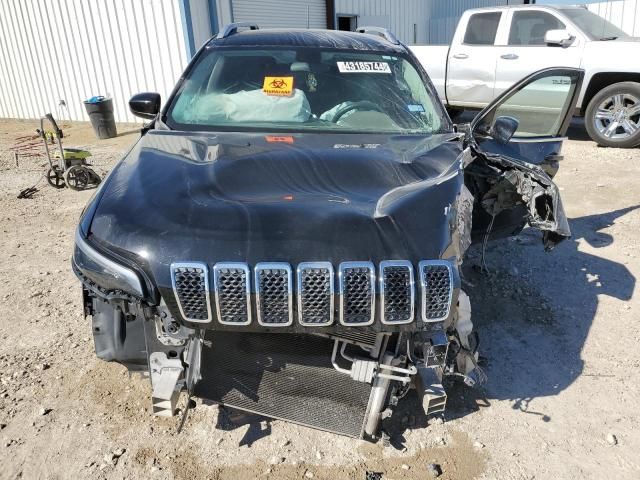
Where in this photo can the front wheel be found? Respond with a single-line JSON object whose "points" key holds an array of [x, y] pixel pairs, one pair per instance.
{"points": [[613, 116]]}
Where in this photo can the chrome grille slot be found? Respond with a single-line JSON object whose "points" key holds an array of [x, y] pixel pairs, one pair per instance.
{"points": [[190, 283], [397, 296], [233, 301], [315, 293], [357, 293], [436, 280], [274, 294]]}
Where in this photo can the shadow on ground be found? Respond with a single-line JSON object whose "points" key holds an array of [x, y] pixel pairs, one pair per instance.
{"points": [[534, 311]]}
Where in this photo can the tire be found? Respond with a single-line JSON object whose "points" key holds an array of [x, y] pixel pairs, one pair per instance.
{"points": [[612, 118]]}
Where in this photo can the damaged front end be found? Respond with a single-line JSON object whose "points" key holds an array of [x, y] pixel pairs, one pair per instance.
{"points": [[303, 281], [333, 345], [344, 378], [522, 192], [319, 337]]}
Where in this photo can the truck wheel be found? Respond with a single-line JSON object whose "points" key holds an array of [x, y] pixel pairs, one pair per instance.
{"points": [[613, 116]]}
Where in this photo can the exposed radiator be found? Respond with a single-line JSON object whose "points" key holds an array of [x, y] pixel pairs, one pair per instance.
{"points": [[282, 376]]}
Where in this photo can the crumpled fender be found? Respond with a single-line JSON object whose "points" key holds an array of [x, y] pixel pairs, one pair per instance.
{"points": [[514, 182]]}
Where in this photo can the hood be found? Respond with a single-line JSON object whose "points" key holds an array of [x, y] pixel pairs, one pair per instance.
{"points": [[253, 198], [603, 56]]}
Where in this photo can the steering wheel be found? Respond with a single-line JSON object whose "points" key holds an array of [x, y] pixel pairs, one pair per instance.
{"points": [[362, 105]]}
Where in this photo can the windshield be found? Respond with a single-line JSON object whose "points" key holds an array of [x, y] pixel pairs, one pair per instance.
{"points": [[305, 89], [594, 26]]}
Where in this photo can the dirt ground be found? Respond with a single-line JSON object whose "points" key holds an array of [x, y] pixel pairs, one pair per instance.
{"points": [[559, 330]]}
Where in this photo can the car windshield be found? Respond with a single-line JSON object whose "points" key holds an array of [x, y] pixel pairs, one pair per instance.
{"points": [[596, 27], [305, 89]]}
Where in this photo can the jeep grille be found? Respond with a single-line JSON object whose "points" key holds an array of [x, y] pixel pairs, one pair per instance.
{"points": [[436, 286], [191, 289], [274, 294], [357, 290], [315, 293], [397, 292], [272, 283], [231, 286]]}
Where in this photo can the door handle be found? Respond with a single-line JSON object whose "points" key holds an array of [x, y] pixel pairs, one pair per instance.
{"points": [[509, 56], [461, 56]]}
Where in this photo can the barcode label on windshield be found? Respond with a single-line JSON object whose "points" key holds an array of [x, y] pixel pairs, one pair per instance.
{"points": [[363, 67]]}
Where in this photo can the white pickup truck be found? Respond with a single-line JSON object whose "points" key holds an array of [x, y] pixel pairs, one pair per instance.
{"points": [[495, 47]]}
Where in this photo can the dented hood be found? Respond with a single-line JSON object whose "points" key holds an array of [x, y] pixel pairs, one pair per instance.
{"points": [[309, 197]]}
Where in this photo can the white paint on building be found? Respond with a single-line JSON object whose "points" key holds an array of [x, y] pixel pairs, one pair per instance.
{"points": [[200, 22], [625, 14], [71, 50]]}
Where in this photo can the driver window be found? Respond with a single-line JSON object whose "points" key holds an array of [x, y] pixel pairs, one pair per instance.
{"points": [[530, 27], [540, 107]]}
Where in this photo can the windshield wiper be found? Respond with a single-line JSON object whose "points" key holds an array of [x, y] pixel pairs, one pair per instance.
{"points": [[604, 39]]}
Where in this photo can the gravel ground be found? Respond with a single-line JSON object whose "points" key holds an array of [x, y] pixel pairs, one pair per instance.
{"points": [[559, 332]]}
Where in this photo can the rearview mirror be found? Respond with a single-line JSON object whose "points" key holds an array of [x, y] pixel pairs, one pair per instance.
{"points": [[561, 38], [503, 129], [145, 105]]}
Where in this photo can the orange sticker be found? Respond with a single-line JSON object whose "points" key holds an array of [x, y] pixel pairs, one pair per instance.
{"points": [[279, 86], [278, 139]]}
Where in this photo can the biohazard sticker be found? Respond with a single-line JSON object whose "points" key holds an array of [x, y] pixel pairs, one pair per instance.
{"points": [[363, 67], [278, 86]]}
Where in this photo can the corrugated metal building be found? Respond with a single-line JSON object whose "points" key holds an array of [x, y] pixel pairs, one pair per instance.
{"points": [[622, 13], [56, 53]]}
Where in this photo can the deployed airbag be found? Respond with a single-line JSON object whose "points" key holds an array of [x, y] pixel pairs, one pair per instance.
{"points": [[246, 106]]}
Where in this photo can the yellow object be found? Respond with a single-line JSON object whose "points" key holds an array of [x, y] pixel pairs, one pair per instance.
{"points": [[278, 86], [73, 154]]}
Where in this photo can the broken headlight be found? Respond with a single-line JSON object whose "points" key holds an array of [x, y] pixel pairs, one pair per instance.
{"points": [[104, 272]]}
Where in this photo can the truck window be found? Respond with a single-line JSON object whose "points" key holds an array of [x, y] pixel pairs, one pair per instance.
{"points": [[482, 28], [540, 107], [594, 26], [529, 28]]}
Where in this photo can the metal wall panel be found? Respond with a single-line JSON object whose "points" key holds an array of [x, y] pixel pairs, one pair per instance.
{"points": [[625, 14], [407, 19], [200, 21], [414, 21], [281, 13], [71, 50]]}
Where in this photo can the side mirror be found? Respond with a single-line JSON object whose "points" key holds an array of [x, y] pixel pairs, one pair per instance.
{"points": [[145, 105], [503, 129], [561, 38]]}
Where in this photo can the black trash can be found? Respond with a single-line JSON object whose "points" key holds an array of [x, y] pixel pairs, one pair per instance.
{"points": [[100, 111]]}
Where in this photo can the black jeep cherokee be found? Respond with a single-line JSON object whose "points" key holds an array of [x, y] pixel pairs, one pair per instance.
{"points": [[286, 236]]}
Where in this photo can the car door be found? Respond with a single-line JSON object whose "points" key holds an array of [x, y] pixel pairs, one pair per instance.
{"points": [[511, 180], [471, 63], [523, 50]]}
